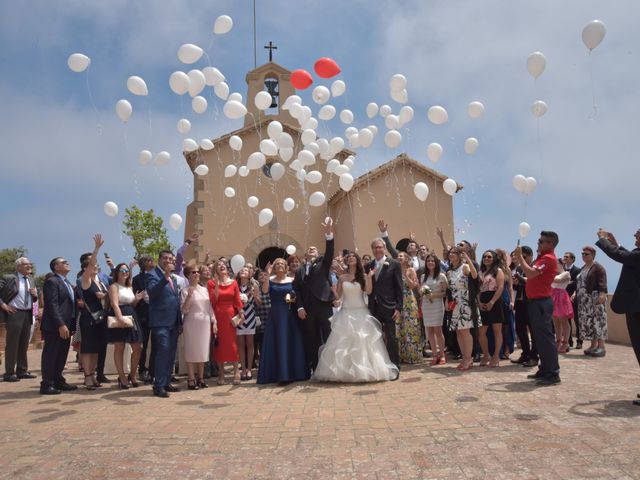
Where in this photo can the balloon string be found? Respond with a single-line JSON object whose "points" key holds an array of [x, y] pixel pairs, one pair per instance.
{"points": [[99, 124], [594, 112], [149, 116], [540, 155], [355, 243]]}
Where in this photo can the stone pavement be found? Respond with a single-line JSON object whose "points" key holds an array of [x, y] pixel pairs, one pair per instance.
{"points": [[435, 422]]}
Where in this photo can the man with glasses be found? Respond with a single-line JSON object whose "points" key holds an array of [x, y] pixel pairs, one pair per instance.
{"points": [[17, 295], [58, 323], [540, 274]]}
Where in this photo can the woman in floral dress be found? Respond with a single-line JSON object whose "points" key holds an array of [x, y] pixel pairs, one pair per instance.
{"points": [[409, 326]]}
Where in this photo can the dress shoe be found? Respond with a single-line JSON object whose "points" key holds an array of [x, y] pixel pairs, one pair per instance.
{"points": [[530, 363], [65, 387], [160, 392], [171, 388], [11, 378], [27, 375], [49, 390], [536, 375], [546, 381], [103, 379], [520, 359], [174, 379], [598, 352], [578, 344]]}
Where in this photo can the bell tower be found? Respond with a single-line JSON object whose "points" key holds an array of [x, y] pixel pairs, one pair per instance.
{"points": [[276, 80]]}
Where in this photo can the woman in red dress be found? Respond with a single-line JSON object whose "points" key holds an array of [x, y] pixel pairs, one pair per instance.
{"points": [[225, 299]]}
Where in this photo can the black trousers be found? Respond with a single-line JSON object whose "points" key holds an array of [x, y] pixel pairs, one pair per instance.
{"points": [[18, 328], [633, 325], [54, 358], [522, 330], [316, 329], [541, 321], [385, 317], [146, 333], [102, 354]]}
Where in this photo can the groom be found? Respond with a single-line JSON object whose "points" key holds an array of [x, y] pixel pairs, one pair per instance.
{"points": [[385, 300]]}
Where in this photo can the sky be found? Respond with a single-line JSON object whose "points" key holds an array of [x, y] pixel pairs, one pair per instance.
{"points": [[65, 152]]}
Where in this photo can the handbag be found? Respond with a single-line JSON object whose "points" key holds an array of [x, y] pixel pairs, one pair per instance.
{"points": [[113, 322], [99, 317], [236, 320]]}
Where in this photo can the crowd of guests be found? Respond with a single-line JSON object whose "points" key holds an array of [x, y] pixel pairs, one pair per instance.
{"points": [[474, 307]]}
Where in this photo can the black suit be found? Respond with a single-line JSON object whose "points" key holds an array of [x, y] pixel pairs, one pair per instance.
{"points": [[626, 298], [314, 294], [59, 310], [385, 298], [571, 289], [142, 311]]}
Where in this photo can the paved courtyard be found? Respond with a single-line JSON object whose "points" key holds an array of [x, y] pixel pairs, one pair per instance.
{"points": [[435, 422]]}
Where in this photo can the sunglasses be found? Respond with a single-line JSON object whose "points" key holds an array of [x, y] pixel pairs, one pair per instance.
{"points": [[488, 256], [586, 253], [124, 270], [194, 273]]}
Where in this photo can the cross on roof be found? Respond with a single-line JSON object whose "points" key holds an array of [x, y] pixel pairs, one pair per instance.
{"points": [[271, 48]]}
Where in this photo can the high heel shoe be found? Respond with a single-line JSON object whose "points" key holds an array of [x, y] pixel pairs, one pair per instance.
{"points": [[92, 385], [133, 384], [192, 384], [201, 383], [122, 386]]}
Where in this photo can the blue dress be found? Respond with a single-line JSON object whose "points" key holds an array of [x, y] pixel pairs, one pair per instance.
{"points": [[282, 358]]}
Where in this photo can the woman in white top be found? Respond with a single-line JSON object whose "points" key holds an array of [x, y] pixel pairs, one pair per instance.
{"points": [[433, 292], [562, 309]]}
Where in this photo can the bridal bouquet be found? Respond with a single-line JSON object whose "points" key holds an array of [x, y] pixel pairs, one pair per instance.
{"points": [[290, 297], [244, 298], [426, 290]]}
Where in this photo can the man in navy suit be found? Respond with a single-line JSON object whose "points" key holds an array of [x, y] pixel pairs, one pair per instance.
{"points": [[58, 323], [165, 321]]}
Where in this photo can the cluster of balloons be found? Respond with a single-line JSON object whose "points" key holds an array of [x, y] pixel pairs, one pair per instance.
{"points": [[324, 67], [524, 184]]}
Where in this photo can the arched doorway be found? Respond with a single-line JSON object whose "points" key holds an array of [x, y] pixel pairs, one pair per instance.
{"points": [[269, 254]]}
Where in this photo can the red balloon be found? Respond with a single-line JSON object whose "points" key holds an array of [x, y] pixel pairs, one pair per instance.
{"points": [[326, 67], [301, 79]]}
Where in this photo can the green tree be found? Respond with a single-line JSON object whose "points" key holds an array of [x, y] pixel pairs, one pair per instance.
{"points": [[8, 257], [146, 231]]}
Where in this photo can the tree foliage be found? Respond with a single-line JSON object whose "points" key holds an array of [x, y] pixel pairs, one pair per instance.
{"points": [[146, 231], [8, 257]]}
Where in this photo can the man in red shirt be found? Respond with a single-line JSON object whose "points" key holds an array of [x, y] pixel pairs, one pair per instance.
{"points": [[540, 275]]}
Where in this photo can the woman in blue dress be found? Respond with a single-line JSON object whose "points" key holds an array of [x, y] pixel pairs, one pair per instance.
{"points": [[282, 357]]}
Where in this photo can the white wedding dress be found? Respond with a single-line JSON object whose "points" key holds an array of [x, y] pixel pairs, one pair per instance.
{"points": [[355, 351]]}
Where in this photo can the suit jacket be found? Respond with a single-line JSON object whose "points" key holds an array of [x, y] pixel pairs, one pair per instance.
{"points": [[138, 284], [59, 307], [573, 271], [596, 280], [387, 288], [316, 284], [164, 301], [9, 288], [626, 298]]}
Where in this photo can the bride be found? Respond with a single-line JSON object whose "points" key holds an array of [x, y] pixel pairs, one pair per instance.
{"points": [[355, 351]]}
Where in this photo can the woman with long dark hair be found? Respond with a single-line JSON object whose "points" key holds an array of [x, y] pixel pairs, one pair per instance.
{"points": [[354, 351], [433, 291], [491, 287]]}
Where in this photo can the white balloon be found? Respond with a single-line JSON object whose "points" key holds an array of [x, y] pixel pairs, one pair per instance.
{"points": [[332, 165], [346, 116], [593, 33], [317, 199], [234, 110], [179, 83], [338, 88], [401, 97], [274, 130], [398, 82], [296, 165], [306, 157], [295, 110], [323, 146], [470, 145], [365, 136], [530, 186], [291, 249], [421, 191], [175, 221], [237, 263], [536, 63], [346, 182], [520, 183], [268, 147], [349, 132], [212, 76], [286, 153], [189, 145], [230, 171], [229, 192], [262, 100], [222, 25], [189, 53], [313, 177], [256, 160], [253, 201], [221, 90], [201, 170], [206, 144], [437, 115], [265, 216], [306, 114], [293, 99], [110, 208], [385, 110], [450, 186], [373, 129], [539, 108], [277, 171], [243, 171], [327, 112], [284, 139], [523, 229], [336, 144], [308, 136], [392, 138], [184, 126], [372, 109], [310, 124], [354, 140], [78, 62], [475, 109], [392, 122], [340, 170], [434, 152], [235, 96], [235, 142], [137, 86], [320, 94], [162, 158], [124, 110], [348, 162], [405, 115], [313, 148], [196, 82], [199, 104], [144, 157], [288, 204]]}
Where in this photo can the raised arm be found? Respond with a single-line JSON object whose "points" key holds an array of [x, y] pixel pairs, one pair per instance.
{"points": [[618, 253], [93, 261], [384, 233]]}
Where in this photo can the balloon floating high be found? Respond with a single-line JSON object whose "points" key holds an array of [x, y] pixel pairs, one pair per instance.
{"points": [[137, 86], [288, 204], [338, 88], [291, 249], [222, 25], [175, 221], [317, 199], [162, 158], [235, 142], [475, 109], [263, 100], [539, 108], [179, 83], [470, 145], [189, 53], [206, 144], [593, 33], [450, 186], [229, 192], [277, 171], [78, 62], [144, 157], [184, 126], [265, 216], [421, 191], [437, 115], [536, 63], [237, 263], [201, 170], [111, 209], [520, 183], [301, 79], [124, 110], [199, 104], [253, 202], [326, 68], [523, 229], [230, 171], [434, 152]]}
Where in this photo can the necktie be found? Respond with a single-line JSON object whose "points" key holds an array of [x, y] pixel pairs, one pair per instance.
{"points": [[308, 268], [27, 295], [171, 283], [378, 268]]}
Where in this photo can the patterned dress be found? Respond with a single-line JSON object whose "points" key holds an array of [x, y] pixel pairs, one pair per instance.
{"points": [[248, 327], [461, 316], [409, 327], [592, 317]]}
